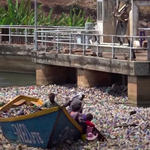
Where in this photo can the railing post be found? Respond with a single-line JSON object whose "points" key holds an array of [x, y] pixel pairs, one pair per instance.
{"points": [[83, 44], [97, 47], [70, 44], [148, 48], [131, 43], [35, 28], [35, 40], [9, 35], [86, 40], [113, 51], [57, 42], [75, 42], [54, 41], [26, 38], [99, 53], [45, 41], [42, 36]]}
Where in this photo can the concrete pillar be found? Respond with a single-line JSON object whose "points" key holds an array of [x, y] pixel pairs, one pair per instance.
{"points": [[139, 90], [89, 78], [48, 74]]}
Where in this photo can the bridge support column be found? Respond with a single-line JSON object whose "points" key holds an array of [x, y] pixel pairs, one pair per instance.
{"points": [[139, 90], [48, 74], [89, 78]]}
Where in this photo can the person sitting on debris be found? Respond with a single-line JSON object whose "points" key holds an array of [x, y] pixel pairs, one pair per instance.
{"points": [[77, 100], [90, 134], [77, 112], [89, 118], [51, 102], [92, 131], [85, 122], [80, 118]]}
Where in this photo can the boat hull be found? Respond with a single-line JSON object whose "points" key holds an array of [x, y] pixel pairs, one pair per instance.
{"points": [[64, 129], [46, 128], [34, 132]]}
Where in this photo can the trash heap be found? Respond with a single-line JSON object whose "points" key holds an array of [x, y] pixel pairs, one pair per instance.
{"points": [[19, 111], [125, 127]]}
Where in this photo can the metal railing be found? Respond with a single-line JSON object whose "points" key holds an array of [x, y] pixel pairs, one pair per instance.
{"points": [[75, 40], [18, 34], [80, 40]]}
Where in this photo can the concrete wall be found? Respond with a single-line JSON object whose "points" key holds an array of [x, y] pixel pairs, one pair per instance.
{"points": [[16, 58], [135, 68]]}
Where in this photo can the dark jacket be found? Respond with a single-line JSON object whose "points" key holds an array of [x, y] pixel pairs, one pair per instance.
{"points": [[75, 101]]}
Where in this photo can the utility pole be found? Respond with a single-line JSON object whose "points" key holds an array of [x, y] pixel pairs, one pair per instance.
{"points": [[35, 26]]}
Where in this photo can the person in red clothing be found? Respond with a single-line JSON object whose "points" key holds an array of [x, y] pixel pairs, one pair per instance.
{"points": [[84, 120], [90, 134], [92, 131], [89, 118]]}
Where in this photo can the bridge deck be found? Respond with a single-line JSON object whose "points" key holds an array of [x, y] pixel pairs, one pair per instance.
{"points": [[141, 55]]}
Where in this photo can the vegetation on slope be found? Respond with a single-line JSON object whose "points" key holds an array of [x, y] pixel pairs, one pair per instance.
{"points": [[22, 14]]}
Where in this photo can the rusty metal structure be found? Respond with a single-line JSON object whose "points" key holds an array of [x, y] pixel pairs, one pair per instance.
{"points": [[120, 17]]}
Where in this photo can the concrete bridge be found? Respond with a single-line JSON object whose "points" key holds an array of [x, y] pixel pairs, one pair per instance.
{"points": [[72, 59], [86, 71], [90, 57], [93, 71]]}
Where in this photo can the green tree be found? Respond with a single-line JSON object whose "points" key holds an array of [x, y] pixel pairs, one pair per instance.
{"points": [[74, 19], [22, 14], [17, 14]]}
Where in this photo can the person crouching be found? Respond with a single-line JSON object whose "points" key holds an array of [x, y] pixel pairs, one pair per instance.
{"points": [[50, 102]]}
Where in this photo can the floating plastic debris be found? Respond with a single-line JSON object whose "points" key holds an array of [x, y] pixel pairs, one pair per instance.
{"points": [[124, 126]]}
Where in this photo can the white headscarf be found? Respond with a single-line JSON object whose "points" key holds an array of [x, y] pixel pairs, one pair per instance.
{"points": [[79, 95]]}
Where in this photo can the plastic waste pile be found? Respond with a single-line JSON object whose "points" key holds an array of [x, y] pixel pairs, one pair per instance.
{"points": [[19, 111], [125, 127]]}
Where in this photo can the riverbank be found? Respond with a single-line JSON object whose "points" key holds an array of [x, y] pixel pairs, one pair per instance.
{"points": [[111, 116]]}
